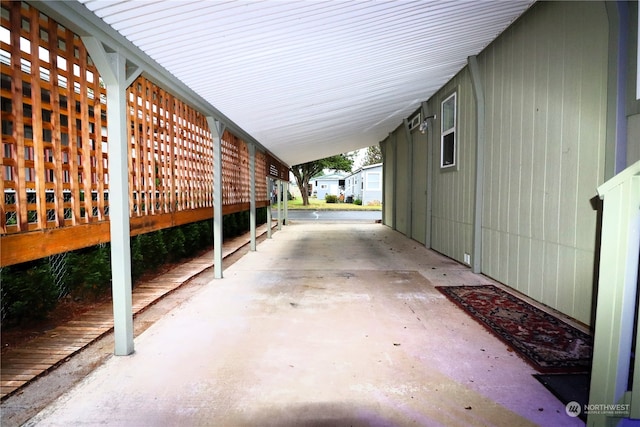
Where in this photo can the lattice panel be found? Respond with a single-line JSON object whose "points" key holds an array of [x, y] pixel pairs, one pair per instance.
{"points": [[171, 160], [54, 138], [54, 162], [261, 172], [235, 170]]}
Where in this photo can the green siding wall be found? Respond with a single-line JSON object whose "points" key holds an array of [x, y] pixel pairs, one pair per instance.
{"points": [[403, 183], [453, 190], [418, 186], [545, 86], [388, 173]]}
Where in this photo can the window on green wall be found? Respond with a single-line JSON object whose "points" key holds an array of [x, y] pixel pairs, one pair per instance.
{"points": [[448, 132]]}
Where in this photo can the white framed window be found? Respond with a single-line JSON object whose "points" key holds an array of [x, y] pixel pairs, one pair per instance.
{"points": [[448, 132]]}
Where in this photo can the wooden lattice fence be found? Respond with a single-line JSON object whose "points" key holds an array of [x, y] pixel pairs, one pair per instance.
{"points": [[55, 165]]}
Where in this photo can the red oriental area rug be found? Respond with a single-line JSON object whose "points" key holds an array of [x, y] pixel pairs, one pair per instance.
{"points": [[545, 341]]}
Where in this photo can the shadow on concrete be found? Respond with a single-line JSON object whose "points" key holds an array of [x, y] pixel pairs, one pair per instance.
{"points": [[321, 414]]}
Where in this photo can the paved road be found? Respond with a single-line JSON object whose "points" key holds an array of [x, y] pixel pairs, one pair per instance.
{"points": [[333, 216]]}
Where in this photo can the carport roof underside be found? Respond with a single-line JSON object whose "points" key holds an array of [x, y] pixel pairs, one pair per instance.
{"points": [[306, 79]]}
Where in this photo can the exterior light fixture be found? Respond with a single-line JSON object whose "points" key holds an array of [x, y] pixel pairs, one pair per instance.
{"points": [[424, 125]]}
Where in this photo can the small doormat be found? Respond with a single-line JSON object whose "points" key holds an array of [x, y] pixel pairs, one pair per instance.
{"points": [[548, 343], [568, 387]]}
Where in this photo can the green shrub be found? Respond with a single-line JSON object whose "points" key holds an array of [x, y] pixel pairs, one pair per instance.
{"points": [[331, 198], [137, 259], [154, 252], [229, 226], [97, 271], [192, 239], [89, 271], [206, 235], [174, 242], [357, 202], [242, 222], [28, 292], [261, 215]]}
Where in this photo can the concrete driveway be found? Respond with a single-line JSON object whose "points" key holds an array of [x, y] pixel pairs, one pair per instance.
{"points": [[325, 325]]}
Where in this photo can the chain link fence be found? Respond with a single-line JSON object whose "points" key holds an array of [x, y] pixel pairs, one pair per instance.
{"points": [[58, 265]]}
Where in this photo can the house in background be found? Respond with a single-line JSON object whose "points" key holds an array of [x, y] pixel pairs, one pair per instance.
{"points": [[365, 184], [328, 184]]}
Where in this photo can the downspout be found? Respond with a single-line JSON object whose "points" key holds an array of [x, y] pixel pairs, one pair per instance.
{"points": [[478, 91], [427, 239], [383, 150], [394, 188], [409, 139]]}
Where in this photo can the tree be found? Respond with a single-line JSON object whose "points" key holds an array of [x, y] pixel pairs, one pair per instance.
{"points": [[373, 156], [305, 171]]}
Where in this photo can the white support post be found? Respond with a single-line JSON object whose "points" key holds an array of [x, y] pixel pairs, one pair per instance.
{"points": [[278, 203], [112, 67], [252, 195], [616, 300], [383, 149], [478, 91], [217, 129], [285, 201], [269, 219]]}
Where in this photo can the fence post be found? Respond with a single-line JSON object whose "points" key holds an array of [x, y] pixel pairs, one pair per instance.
{"points": [[252, 194], [113, 69], [279, 202], [217, 130], [269, 219], [616, 301]]}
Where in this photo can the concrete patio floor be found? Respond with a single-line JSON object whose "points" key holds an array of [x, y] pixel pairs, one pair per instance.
{"points": [[325, 325]]}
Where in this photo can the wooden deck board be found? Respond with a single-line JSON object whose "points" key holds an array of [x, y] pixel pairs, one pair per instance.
{"points": [[22, 365], [8, 384], [7, 373]]}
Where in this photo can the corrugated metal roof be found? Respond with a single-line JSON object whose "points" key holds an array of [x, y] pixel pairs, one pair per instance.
{"points": [[307, 78]]}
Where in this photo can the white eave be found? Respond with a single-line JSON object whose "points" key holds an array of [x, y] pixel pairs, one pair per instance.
{"points": [[306, 78]]}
